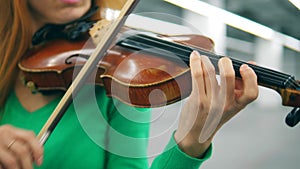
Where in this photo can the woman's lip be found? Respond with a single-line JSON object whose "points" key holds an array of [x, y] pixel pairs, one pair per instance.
{"points": [[70, 1]]}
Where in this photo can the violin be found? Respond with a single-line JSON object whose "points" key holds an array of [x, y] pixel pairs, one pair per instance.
{"points": [[129, 71], [141, 64], [138, 64], [139, 69]]}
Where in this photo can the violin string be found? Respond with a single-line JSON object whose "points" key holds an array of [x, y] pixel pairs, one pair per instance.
{"points": [[278, 82], [214, 56], [239, 63], [276, 78], [267, 75], [273, 75], [295, 83], [265, 80]]}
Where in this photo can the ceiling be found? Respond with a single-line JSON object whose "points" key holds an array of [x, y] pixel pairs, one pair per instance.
{"points": [[279, 15]]}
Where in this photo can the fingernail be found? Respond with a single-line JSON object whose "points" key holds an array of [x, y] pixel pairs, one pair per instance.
{"points": [[244, 67], [40, 161], [196, 54]]}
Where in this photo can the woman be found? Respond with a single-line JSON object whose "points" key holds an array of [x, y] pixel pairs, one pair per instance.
{"points": [[23, 113]]}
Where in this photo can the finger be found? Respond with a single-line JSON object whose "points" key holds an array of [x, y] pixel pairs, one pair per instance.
{"points": [[7, 135], [209, 77], [250, 90], [7, 160], [29, 138], [252, 62], [197, 74], [238, 84], [217, 102], [23, 153], [227, 76]]}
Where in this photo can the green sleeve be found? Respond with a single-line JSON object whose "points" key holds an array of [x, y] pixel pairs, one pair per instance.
{"points": [[174, 158], [127, 137], [128, 140]]}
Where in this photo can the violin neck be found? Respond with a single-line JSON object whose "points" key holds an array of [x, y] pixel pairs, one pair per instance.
{"points": [[176, 51], [265, 77]]}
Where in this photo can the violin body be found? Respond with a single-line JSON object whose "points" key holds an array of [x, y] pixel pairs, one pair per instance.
{"points": [[133, 73], [140, 70], [134, 77]]}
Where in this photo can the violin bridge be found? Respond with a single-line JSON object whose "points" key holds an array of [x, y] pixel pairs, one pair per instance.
{"points": [[99, 29]]}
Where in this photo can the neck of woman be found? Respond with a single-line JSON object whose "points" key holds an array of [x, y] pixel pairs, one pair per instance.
{"points": [[31, 101]]}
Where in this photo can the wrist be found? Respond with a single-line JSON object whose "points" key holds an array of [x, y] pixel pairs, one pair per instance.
{"points": [[191, 145]]}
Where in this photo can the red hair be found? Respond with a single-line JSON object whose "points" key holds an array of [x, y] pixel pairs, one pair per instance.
{"points": [[16, 37]]}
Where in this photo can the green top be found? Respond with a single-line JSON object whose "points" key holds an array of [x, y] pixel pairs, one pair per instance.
{"points": [[93, 133]]}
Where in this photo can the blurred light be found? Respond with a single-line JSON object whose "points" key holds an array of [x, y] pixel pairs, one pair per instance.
{"points": [[110, 14], [296, 3], [237, 21]]}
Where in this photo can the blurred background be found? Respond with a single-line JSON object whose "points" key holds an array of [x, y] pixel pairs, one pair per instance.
{"points": [[265, 31]]}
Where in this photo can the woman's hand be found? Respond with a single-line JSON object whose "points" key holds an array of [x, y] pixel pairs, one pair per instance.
{"points": [[19, 148], [211, 104]]}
